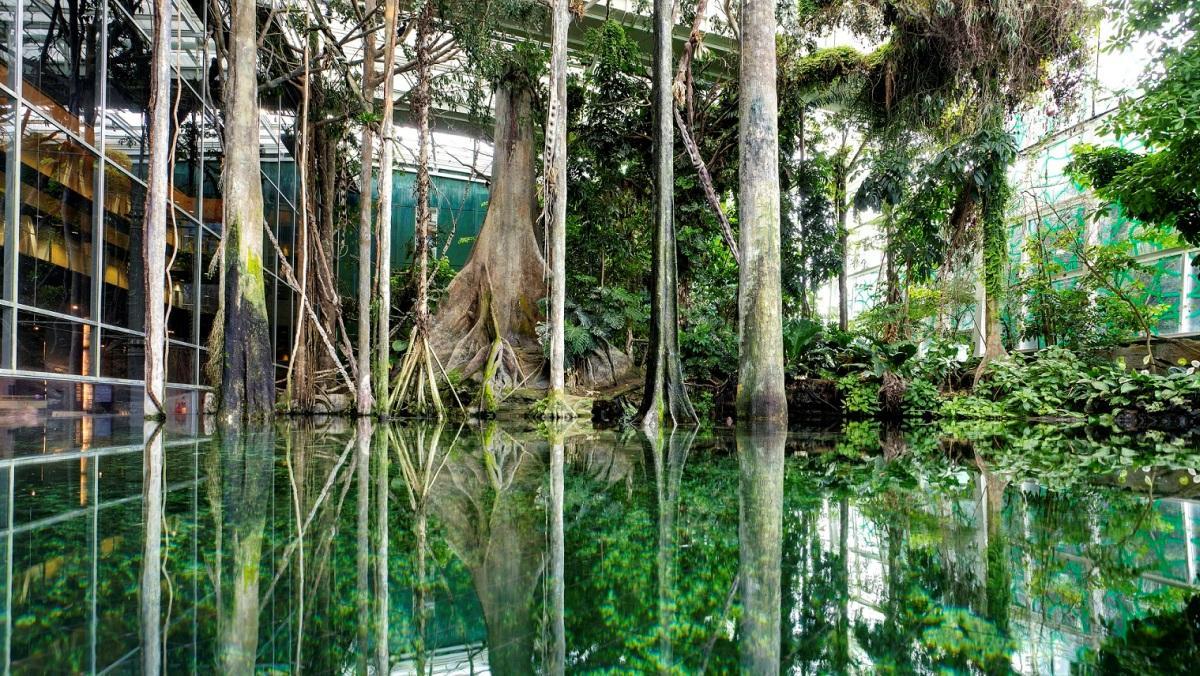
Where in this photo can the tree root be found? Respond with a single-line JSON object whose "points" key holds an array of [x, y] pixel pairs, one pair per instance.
{"points": [[415, 388], [555, 407]]}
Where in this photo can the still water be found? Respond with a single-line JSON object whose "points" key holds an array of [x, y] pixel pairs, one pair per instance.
{"points": [[343, 547]]}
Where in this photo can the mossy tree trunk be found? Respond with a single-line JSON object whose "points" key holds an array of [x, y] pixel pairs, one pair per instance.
{"points": [[760, 392], [247, 379], [555, 157], [993, 205], [154, 244], [665, 398], [486, 325]]}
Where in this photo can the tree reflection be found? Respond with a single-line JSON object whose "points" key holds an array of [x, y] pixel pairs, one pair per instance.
{"points": [[760, 525], [486, 500], [242, 472]]}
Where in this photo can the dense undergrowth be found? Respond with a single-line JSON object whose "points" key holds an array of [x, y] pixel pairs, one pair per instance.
{"points": [[869, 378]]}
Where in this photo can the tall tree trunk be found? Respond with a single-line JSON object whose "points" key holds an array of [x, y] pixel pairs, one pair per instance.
{"points": [[383, 339], [891, 278], [555, 157], [486, 325], [418, 373], [248, 377], [760, 393], [363, 399], [844, 249], [154, 244], [665, 398]]}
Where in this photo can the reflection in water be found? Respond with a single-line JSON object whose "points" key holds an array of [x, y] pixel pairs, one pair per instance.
{"points": [[486, 500], [360, 547], [151, 585], [760, 524], [243, 472]]}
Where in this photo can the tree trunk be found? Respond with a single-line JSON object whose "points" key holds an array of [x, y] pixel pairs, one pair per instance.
{"points": [[555, 157], [995, 259], [487, 323], [154, 244], [384, 337], [844, 248], [418, 374], [248, 377], [363, 399], [760, 393], [665, 398]]}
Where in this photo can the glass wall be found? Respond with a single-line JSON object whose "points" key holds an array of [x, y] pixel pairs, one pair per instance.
{"points": [[73, 152]]}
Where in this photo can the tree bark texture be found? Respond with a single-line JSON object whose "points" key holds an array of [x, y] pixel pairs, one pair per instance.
{"points": [[383, 339], [760, 392], [154, 243], [665, 399], [555, 157], [486, 326], [248, 377], [364, 401]]}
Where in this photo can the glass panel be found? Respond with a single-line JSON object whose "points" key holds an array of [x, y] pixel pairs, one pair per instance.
{"points": [[1164, 287], [271, 215], [209, 288], [8, 13], [181, 365], [211, 173], [269, 292], [59, 43], [48, 396], [6, 114], [127, 86], [1193, 301], [124, 288], [57, 184], [51, 344], [181, 292], [283, 323], [122, 355]]}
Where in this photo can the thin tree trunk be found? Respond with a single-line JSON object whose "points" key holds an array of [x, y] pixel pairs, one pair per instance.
{"points": [[665, 398], [420, 372], [556, 207], [844, 248], [363, 398], [154, 244], [760, 393], [299, 377], [247, 381], [384, 337]]}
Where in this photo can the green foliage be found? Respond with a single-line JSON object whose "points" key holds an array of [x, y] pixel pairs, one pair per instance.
{"points": [[598, 318], [1107, 303], [1059, 383], [1157, 185]]}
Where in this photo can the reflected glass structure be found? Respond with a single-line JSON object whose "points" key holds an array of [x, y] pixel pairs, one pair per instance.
{"points": [[74, 100]]}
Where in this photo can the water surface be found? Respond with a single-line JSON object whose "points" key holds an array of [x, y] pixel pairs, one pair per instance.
{"points": [[350, 547]]}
